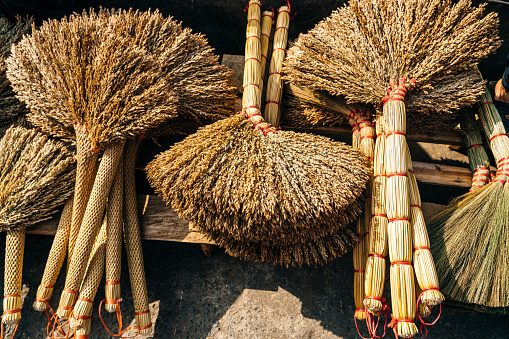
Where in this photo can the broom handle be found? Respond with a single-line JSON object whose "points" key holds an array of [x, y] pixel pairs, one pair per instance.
{"points": [[90, 227], [361, 122], [477, 157], [114, 240], [375, 266], [55, 259], [266, 27], [251, 96], [14, 249], [86, 166], [272, 112], [132, 237], [398, 212], [88, 290]]}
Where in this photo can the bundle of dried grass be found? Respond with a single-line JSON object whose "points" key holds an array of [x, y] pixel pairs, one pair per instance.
{"points": [[118, 74], [10, 106], [37, 177], [477, 157], [243, 182], [369, 46], [469, 238]]}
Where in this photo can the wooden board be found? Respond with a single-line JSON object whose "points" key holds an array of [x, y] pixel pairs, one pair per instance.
{"points": [[160, 222]]}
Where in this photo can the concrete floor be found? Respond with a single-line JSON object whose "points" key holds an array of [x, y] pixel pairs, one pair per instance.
{"points": [[194, 296]]}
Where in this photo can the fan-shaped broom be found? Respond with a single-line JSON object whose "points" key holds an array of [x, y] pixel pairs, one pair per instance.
{"points": [[470, 236], [37, 176], [352, 53], [261, 184]]}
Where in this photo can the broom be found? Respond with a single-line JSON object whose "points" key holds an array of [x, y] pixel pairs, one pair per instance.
{"points": [[477, 157], [360, 58], [261, 184], [128, 90], [37, 176], [470, 234]]}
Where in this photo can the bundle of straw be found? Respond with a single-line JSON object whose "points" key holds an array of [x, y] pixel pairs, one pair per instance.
{"points": [[260, 185], [470, 235], [37, 177], [477, 157], [135, 70], [369, 46]]}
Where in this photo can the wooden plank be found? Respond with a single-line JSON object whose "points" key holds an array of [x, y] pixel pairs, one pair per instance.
{"points": [[442, 175], [157, 221], [160, 222], [446, 138]]}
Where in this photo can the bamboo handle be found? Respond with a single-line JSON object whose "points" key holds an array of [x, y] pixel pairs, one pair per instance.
{"points": [[55, 259], [251, 97], [114, 240], [13, 269], [266, 27], [90, 227], [132, 237]]}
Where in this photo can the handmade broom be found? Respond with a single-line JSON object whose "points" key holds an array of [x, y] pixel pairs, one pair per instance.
{"points": [[353, 54], [108, 102], [469, 236], [37, 176], [261, 184]]}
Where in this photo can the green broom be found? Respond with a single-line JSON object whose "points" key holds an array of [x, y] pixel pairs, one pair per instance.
{"points": [[477, 157], [259, 185], [352, 53], [37, 176], [470, 235]]}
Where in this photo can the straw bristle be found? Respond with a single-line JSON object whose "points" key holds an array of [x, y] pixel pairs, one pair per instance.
{"points": [[37, 176], [10, 106], [345, 54], [117, 72], [232, 179]]}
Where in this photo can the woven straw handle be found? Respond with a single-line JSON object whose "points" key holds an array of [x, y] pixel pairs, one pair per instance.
{"points": [[90, 227], [114, 240], [14, 249], [92, 280], [86, 167], [133, 242], [55, 259]]}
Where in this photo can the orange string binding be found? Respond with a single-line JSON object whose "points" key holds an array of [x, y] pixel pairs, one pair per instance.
{"points": [[119, 320]]}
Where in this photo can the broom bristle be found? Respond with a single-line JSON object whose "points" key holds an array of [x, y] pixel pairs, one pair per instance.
{"points": [[37, 176], [119, 73], [428, 41], [231, 179]]}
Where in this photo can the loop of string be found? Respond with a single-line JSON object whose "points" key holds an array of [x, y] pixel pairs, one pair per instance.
{"points": [[424, 324], [2, 330], [118, 312]]}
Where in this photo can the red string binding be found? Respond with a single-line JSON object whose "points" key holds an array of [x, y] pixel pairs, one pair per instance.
{"points": [[424, 332], [395, 321]]}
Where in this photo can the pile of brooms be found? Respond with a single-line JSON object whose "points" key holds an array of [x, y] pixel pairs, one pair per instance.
{"points": [[414, 56], [103, 81]]}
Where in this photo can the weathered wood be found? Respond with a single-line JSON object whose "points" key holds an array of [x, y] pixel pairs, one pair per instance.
{"points": [[442, 175], [159, 221]]}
